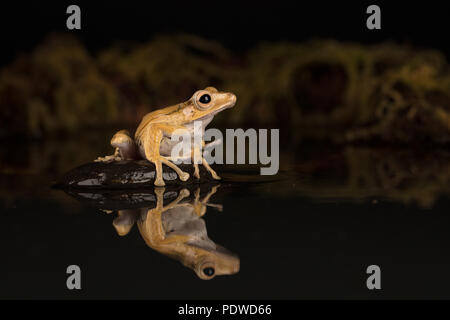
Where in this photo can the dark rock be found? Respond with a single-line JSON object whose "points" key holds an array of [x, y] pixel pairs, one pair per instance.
{"points": [[126, 174]]}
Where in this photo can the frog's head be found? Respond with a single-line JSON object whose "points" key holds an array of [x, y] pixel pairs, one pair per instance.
{"points": [[206, 103], [220, 261]]}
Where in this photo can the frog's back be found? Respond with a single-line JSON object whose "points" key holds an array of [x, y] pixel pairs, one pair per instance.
{"points": [[152, 116]]}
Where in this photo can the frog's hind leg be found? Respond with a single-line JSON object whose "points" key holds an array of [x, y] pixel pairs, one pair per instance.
{"points": [[151, 226], [125, 148], [151, 147], [183, 175]]}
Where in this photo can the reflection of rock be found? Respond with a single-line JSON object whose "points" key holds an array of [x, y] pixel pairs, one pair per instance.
{"points": [[170, 222], [125, 174], [132, 198], [119, 199]]}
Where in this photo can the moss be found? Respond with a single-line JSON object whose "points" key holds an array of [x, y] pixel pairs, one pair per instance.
{"points": [[163, 72], [55, 88], [341, 92]]}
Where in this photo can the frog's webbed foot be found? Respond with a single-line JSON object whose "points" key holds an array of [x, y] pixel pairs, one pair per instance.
{"points": [[196, 171], [104, 159], [213, 173], [184, 176], [114, 157], [159, 181], [184, 193], [208, 147], [205, 200], [206, 165], [159, 192]]}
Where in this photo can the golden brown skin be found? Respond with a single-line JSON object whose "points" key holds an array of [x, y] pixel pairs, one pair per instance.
{"points": [[152, 138], [177, 230]]}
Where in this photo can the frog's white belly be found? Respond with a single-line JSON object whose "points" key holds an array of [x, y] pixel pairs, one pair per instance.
{"points": [[184, 221], [167, 144]]}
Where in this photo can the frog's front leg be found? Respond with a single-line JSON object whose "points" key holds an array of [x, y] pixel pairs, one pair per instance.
{"points": [[205, 200], [200, 205], [213, 173], [196, 155], [152, 141]]}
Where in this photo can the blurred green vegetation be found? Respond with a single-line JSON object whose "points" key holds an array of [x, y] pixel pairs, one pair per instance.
{"points": [[320, 89], [57, 87]]}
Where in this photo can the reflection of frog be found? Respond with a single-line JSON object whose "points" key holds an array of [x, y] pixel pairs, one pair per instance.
{"points": [[177, 230], [152, 139]]}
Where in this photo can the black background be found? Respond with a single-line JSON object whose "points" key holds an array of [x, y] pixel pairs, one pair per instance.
{"points": [[237, 24]]}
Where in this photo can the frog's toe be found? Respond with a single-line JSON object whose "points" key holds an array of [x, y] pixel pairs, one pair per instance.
{"points": [[105, 159], [215, 176], [184, 193], [184, 176]]}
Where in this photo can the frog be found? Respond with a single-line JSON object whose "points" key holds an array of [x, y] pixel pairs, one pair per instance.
{"points": [[152, 140], [178, 230]]}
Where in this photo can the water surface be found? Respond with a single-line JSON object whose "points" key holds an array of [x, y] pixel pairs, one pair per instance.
{"points": [[308, 232]]}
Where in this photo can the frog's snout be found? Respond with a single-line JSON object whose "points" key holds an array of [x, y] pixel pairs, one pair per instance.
{"points": [[232, 98]]}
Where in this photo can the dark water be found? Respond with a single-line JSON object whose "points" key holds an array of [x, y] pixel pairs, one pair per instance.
{"points": [[309, 232]]}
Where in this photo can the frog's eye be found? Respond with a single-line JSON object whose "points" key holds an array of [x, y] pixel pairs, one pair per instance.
{"points": [[203, 100], [209, 271], [206, 270]]}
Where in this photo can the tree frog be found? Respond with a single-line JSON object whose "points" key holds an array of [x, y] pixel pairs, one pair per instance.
{"points": [[152, 140]]}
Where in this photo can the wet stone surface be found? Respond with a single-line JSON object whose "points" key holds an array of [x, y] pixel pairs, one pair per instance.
{"points": [[126, 174]]}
